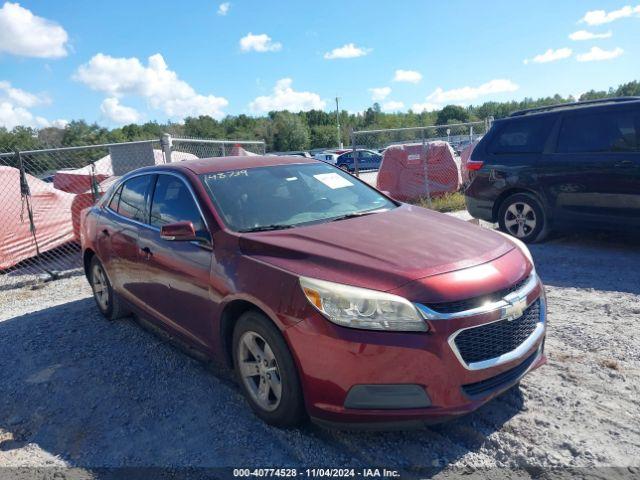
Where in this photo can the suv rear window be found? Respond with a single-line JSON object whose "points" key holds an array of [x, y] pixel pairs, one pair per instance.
{"points": [[615, 131], [522, 136]]}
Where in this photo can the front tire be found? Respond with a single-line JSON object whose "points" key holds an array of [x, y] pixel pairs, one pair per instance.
{"points": [[107, 301], [266, 371], [522, 216]]}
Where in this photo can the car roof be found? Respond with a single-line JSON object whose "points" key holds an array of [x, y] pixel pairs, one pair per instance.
{"points": [[222, 164], [601, 102]]}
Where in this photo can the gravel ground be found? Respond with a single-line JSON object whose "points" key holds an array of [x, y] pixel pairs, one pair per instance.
{"points": [[79, 391]]}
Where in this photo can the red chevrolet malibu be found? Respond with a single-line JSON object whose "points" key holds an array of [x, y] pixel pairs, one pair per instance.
{"points": [[327, 298]]}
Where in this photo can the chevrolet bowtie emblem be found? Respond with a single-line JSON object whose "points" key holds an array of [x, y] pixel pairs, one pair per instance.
{"points": [[515, 308]]}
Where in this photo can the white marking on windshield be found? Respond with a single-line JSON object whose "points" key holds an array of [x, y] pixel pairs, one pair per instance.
{"points": [[333, 180]]}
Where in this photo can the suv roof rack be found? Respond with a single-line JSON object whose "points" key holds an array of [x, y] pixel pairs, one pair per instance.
{"points": [[573, 104]]}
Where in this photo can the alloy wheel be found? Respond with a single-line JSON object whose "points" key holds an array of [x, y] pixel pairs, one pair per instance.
{"points": [[520, 219], [259, 370], [100, 287]]}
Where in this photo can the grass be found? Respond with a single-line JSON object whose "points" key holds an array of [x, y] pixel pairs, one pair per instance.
{"points": [[449, 202]]}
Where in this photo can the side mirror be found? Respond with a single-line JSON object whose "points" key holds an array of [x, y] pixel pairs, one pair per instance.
{"points": [[179, 231]]}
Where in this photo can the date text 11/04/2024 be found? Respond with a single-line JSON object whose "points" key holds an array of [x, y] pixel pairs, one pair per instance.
{"points": [[316, 472]]}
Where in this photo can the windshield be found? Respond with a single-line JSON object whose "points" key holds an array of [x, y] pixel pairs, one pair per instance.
{"points": [[283, 196]]}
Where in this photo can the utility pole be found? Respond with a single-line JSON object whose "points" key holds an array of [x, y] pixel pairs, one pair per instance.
{"points": [[338, 122]]}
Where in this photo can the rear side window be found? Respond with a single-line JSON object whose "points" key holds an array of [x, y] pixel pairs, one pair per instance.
{"points": [[113, 204], [173, 202], [133, 199], [599, 132], [522, 136]]}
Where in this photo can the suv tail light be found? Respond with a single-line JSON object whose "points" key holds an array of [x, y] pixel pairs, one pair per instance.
{"points": [[473, 165]]}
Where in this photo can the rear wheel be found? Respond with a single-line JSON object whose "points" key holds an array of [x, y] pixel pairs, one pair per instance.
{"points": [[522, 216], [344, 167], [266, 371], [106, 299]]}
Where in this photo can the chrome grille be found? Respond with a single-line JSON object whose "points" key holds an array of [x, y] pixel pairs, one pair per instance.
{"points": [[491, 340], [469, 303]]}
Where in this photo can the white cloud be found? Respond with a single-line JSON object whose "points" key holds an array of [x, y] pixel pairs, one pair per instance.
{"points": [[410, 76], [499, 85], [160, 86], [379, 93], [117, 113], [12, 116], [597, 54], [223, 8], [25, 34], [21, 98], [60, 123], [551, 55], [15, 104], [286, 98], [585, 35], [259, 43], [392, 106], [599, 17], [425, 107], [349, 50]]}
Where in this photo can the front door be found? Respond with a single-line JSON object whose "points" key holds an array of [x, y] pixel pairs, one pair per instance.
{"points": [[178, 287]]}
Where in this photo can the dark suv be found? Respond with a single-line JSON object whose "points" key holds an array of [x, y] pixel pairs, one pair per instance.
{"points": [[566, 166]]}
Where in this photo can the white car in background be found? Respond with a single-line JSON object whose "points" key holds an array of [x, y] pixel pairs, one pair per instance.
{"points": [[328, 157]]}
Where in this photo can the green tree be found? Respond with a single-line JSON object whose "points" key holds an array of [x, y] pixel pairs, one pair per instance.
{"points": [[79, 132], [631, 89], [285, 130], [19, 138], [290, 132], [203, 126], [452, 114], [324, 136]]}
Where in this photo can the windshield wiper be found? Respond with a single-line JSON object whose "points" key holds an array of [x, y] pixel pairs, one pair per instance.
{"points": [[358, 214], [266, 228]]}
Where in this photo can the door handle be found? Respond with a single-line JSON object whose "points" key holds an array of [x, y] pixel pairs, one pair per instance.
{"points": [[147, 253], [624, 164]]}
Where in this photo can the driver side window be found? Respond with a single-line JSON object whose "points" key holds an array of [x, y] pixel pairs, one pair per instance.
{"points": [[173, 202]]}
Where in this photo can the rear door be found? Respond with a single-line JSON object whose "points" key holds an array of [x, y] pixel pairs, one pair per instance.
{"points": [[346, 159], [368, 160], [594, 173], [122, 218], [177, 286]]}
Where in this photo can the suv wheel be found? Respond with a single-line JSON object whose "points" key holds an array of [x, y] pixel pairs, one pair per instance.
{"points": [[266, 371], [521, 215], [106, 299], [343, 167]]}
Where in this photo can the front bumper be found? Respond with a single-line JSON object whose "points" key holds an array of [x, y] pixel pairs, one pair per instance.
{"points": [[332, 360]]}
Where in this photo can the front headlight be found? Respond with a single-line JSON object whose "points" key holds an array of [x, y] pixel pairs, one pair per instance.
{"points": [[356, 307]]}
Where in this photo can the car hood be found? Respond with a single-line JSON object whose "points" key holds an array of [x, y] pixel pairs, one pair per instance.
{"points": [[380, 251]]}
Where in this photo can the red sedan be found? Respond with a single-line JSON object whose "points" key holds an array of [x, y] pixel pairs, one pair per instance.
{"points": [[327, 298]]}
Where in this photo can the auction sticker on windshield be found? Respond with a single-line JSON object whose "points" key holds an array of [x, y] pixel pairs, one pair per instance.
{"points": [[333, 180]]}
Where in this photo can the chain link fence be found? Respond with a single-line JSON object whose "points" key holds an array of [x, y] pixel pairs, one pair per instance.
{"points": [[43, 192], [418, 162]]}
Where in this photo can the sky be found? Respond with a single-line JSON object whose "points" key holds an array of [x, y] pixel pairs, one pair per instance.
{"points": [[120, 62]]}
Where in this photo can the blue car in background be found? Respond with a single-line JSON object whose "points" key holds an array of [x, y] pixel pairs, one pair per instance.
{"points": [[367, 160]]}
